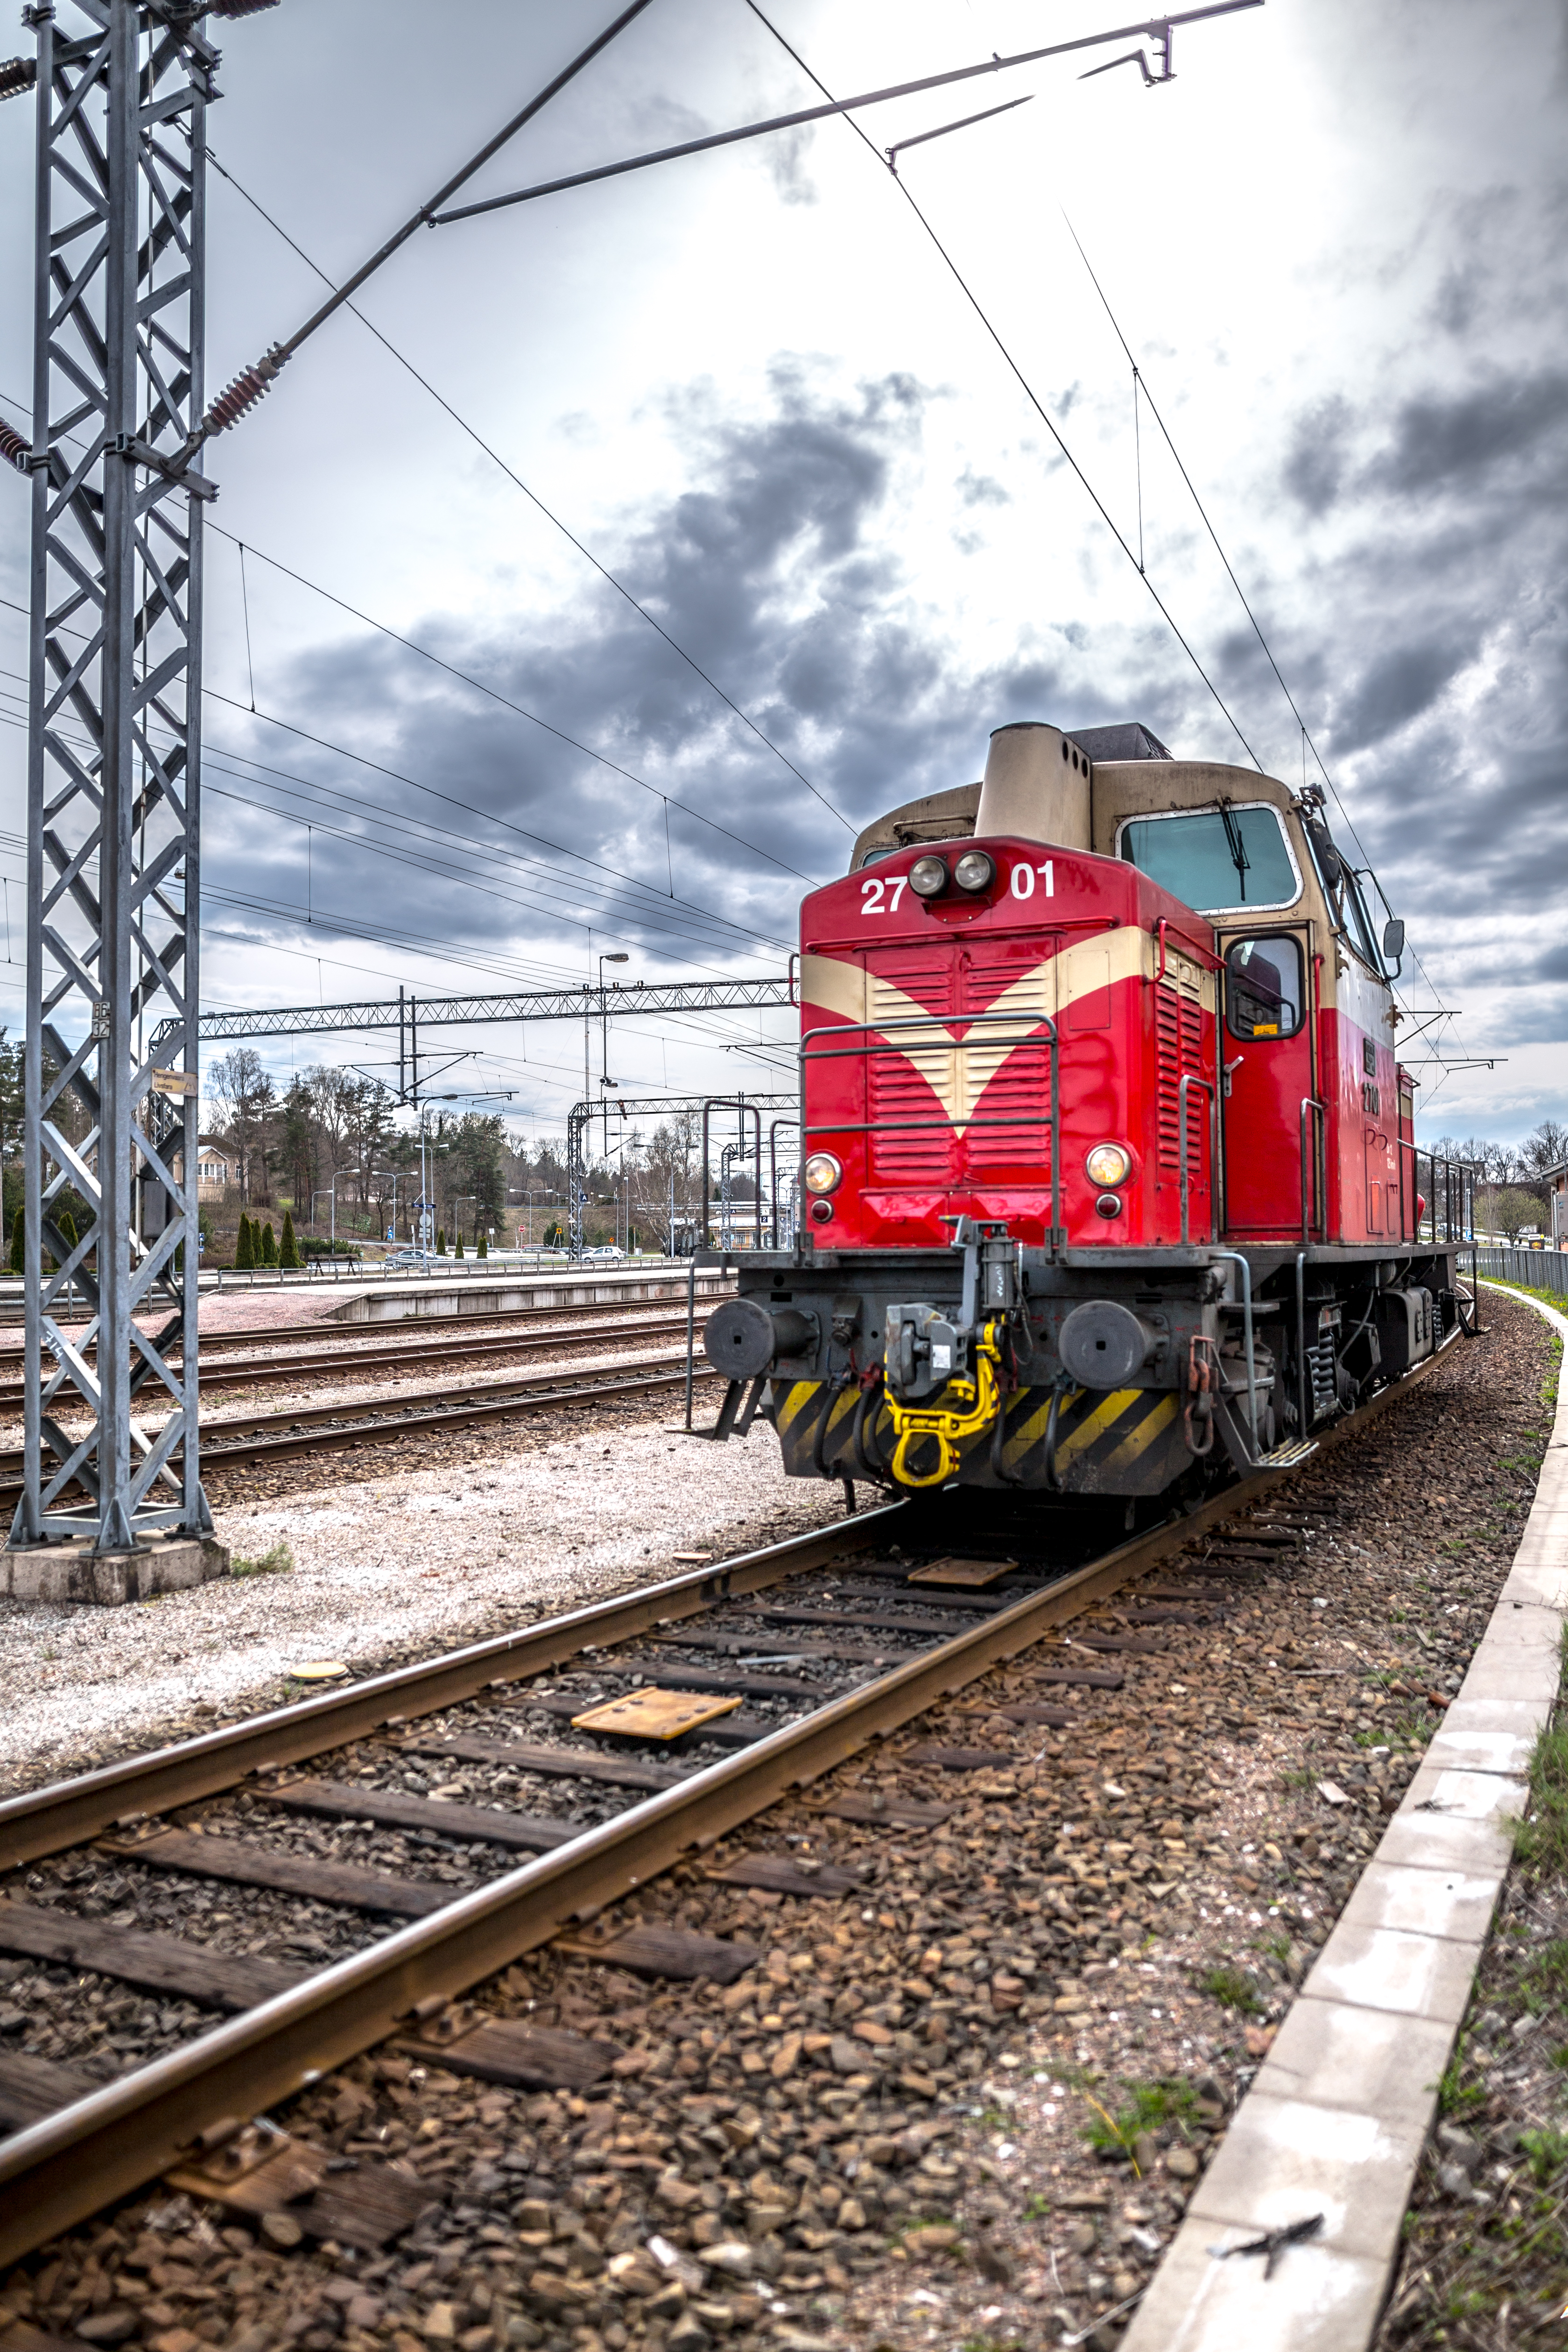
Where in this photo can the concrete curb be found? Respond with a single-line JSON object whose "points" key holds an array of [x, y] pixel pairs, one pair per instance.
{"points": [[1340, 2110]]}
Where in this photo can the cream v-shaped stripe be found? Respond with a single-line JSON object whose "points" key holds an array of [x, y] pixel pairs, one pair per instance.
{"points": [[957, 1062]]}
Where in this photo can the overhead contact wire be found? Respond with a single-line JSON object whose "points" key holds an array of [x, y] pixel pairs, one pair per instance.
{"points": [[567, 532], [1025, 386]]}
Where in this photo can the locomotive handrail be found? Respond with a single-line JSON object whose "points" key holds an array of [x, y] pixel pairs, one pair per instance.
{"points": [[1215, 962], [1025, 1022], [1191, 1079], [1311, 1108]]}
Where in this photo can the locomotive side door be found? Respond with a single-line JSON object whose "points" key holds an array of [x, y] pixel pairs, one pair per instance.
{"points": [[1267, 1037]]}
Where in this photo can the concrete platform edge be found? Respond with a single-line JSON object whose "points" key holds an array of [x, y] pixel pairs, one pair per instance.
{"points": [[1339, 2111]]}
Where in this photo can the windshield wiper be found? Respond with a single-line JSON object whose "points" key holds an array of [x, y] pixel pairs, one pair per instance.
{"points": [[1238, 858]]}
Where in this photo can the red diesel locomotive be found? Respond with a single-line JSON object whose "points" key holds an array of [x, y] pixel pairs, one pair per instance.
{"points": [[1109, 1172]]}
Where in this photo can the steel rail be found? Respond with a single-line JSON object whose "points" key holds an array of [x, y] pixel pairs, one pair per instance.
{"points": [[252, 1335], [326, 1428], [316, 1364], [63, 2170], [46, 1821]]}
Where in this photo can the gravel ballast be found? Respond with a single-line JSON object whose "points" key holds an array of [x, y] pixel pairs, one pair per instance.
{"points": [[876, 2136], [498, 1531]]}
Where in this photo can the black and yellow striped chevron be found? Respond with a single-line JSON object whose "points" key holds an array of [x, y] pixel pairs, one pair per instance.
{"points": [[1128, 1442]]}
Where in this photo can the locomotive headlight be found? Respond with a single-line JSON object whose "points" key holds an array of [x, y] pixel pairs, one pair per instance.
{"points": [[823, 1173], [929, 877], [974, 871], [1108, 1164]]}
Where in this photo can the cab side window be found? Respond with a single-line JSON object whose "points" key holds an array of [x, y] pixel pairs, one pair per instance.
{"points": [[1263, 991]]}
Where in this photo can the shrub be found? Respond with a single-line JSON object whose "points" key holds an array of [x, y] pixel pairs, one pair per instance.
{"points": [[458, 1251], [269, 1245], [441, 1241], [245, 1246], [289, 1254], [18, 1240], [484, 1249]]}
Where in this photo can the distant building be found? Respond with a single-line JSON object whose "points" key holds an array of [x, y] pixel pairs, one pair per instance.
{"points": [[1556, 1182], [215, 1165]]}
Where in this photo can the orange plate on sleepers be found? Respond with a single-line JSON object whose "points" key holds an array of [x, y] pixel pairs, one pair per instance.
{"points": [[653, 1713], [970, 1573]]}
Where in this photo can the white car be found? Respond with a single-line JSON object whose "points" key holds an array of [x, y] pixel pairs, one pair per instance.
{"points": [[607, 1254]]}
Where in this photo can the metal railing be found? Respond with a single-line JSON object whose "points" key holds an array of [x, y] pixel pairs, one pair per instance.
{"points": [[1449, 1188], [1037, 1031], [1315, 1115], [1184, 1178], [1536, 1270]]}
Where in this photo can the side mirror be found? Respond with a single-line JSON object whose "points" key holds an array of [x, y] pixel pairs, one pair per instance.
{"points": [[1393, 942]]}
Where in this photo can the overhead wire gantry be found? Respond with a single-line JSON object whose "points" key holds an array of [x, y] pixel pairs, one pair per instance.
{"points": [[120, 422]]}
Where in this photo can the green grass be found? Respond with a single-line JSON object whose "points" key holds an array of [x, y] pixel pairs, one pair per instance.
{"points": [[1147, 2108], [1541, 1839], [1547, 2151], [1038, 2208], [1231, 1990], [278, 1561], [1546, 1978], [1456, 2097]]}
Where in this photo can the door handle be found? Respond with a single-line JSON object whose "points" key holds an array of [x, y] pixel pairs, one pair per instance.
{"points": [[1236, 1064]]}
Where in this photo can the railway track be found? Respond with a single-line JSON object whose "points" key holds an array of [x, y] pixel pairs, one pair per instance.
{"points": [[242, 1441], [300, 1366], [788, 1661]]}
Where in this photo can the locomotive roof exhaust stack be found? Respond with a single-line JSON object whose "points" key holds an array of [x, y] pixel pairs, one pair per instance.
{"points": [[1035, 785]]}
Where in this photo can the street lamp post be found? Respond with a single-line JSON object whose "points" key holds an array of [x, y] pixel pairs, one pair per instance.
{"points": [[332, 1189]]}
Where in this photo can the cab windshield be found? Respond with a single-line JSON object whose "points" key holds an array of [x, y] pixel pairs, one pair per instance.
{"points": [[1218, 859]]}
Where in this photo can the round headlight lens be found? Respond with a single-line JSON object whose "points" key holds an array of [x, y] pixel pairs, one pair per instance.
{"points": [[1108, 1164], [823, 1173], [974, 871], [928, 876]]}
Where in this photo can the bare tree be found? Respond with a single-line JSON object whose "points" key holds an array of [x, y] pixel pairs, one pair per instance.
{"points": [[245, 1101], [1545, 1147]]}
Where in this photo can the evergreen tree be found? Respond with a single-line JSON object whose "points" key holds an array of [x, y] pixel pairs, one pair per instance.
{"points": [[269, 1245], [289, 1248], [67, 1228], [441, 1241], [458, 1252], [17, 1242], [244, 1247], [484, 1244]]}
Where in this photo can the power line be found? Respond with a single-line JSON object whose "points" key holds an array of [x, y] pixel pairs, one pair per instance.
{"points": [[507, 703], [494, 456], [636, 918], [1027, 389], [1141, 382], [470, 808], [495, 695], [1029, 392]]}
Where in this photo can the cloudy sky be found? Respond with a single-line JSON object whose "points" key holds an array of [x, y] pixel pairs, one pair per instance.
{"points": [[748, 386]]}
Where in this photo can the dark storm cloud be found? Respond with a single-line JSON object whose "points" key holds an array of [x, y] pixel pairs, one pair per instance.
{"points": [[1449, 440], [1393, 689], [1317, 458], [768, 571]]}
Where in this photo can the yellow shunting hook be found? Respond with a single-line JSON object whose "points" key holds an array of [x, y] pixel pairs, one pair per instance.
{"points": [[977, 1405]]}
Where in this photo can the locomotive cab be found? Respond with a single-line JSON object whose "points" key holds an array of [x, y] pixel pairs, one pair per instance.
{"points": [[1108, 1174]]}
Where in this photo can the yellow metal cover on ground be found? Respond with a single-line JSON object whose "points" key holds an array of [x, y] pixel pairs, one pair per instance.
{"points": [[654, 1713], [961, 1572]]}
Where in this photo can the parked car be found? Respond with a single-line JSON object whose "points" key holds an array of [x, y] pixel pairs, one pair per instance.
{"points": [[607, 1254]]}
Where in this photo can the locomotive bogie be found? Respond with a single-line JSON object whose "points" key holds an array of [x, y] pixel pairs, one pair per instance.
{"points": [[1104, 1400]]}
